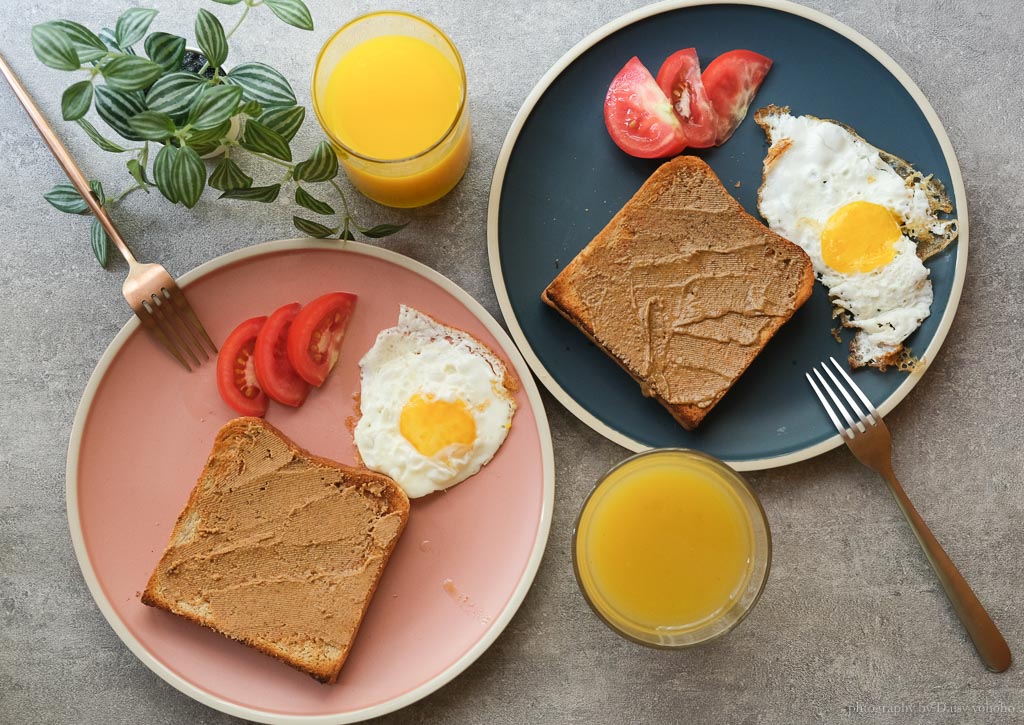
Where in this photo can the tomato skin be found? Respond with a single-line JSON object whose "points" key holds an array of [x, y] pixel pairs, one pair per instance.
{"points": [[639, 117], [731, 80], [314, 341], [275, 374], [680, 80], [236, 375]]}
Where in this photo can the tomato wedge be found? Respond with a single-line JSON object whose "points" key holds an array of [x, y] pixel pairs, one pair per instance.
{"points": [[236, 374], [314, 341], [731, 80], [639, 116], [275, 374], [679, 79]]}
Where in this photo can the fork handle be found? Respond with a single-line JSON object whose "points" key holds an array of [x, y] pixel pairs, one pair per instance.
{"points": [[988, 640], [64, 158]]}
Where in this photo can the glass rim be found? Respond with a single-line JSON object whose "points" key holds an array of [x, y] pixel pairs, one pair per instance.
{"points": [[417, 19], [739, 482]]}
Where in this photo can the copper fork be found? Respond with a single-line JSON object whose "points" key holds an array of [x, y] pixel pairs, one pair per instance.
{"points": [[152, 293], [869, 439]]}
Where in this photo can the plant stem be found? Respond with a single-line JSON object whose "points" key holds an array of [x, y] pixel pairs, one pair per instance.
{"points": [[271, 159], [348, 218], [123, 194], [245, 12], [344, 200]]}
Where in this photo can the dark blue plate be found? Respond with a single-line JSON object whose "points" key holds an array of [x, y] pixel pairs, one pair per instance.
{"points": [[559, 179]]}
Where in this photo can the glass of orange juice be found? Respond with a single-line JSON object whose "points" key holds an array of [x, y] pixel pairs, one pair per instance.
{"points": [[389, 89], [672, 548]]}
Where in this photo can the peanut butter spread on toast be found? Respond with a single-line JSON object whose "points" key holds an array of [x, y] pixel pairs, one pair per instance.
{"points": [[683, 288], [277, 547]]}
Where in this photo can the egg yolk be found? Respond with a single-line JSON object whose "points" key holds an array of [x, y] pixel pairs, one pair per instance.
{"points": [[431, 425], [860, 237]]}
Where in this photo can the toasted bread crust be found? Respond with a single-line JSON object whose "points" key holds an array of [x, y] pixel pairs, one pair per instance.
{"points": [[564, 292], [396, 502]]}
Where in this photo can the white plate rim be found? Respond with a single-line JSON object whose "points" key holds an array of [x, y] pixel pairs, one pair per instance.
{"points": [[467, 658], [494, 202]]}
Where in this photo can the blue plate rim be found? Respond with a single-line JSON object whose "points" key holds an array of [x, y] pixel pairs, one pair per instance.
{"points": [[497, 180]]}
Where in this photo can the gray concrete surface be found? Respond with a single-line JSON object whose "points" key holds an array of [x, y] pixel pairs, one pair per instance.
{"points": [[852, 621]]}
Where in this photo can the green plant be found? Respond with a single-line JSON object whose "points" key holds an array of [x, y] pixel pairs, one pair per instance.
{"points": [[188, 106]]}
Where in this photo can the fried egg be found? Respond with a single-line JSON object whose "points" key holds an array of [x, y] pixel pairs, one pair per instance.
{"points": [[436, 404], [864, 217]]}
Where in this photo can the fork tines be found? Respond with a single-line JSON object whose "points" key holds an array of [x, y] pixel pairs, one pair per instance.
{"points": [[173, 321], [862, 419]]}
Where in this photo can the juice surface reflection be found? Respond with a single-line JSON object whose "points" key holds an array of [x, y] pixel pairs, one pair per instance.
{"points": [[665, 547], [392, 97]]}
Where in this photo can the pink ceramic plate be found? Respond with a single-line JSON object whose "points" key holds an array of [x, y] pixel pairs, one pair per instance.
{"points": [[143, 431]]}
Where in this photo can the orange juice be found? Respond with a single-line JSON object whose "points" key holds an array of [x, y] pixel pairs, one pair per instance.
{"points": [[668, 544], [412, 89], [389, 89]]}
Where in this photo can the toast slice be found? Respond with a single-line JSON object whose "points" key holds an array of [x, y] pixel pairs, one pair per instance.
{"points": [[683, 288], [280, 549]]}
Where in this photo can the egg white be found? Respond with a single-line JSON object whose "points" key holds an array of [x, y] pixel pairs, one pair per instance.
{"points": [[421, 356], [815, 167]]}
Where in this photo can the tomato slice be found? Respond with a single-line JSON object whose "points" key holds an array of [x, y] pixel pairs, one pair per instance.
{"points": [[275, 374], [731, 80], [236, 374], [679, 79], [639, 116], [314, 341]]}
